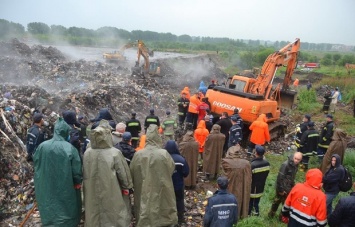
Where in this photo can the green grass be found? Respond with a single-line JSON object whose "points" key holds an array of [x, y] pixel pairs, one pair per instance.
{"points": [[332, 70], [307, 101]]}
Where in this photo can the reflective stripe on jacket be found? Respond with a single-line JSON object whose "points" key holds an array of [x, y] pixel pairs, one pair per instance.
{"points": [[260, 169]]}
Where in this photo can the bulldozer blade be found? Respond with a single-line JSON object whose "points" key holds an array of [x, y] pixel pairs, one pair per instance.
{"points": [[287, 99]]}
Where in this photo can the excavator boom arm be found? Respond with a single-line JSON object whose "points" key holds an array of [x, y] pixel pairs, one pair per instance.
{"points": [[286, 55]]}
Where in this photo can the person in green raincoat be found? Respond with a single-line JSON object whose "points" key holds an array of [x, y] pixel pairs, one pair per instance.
{"points": [[58, 177], [107, 180], [154, 196]]}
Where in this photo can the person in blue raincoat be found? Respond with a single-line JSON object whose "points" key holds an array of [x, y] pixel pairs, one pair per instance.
{"points": [[202, 88], [57, 178]]}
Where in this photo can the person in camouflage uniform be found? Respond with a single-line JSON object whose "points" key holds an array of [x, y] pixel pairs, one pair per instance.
{"points": [[169, 126]]}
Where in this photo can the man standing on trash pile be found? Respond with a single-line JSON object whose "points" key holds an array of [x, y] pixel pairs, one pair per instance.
{"points": [[70, 118], [57, 178], [169, 126], [213, 152], [125, 147], [35, 135], [235, 133], [225, 124], [238, 172], [192, 112], [183, 105], [134, 127], [107, 181], [154, 197], [104, 114], [222, 207], [300, 129], [200, 135], [259, 133], [151, 119], [181, 171], [202, 110], [285, 181], [189, 150]]}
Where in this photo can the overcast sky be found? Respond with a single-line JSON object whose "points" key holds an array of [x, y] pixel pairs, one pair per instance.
{"points": [[320, 21]]}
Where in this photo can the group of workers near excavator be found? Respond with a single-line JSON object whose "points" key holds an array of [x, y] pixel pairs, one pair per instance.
{"points": [[159, 165]]}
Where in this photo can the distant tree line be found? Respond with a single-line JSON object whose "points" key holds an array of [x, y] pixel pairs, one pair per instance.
{"points": [[112, 36], [245, 53]]}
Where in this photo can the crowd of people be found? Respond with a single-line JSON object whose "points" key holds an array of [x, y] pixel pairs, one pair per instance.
{"points": [[150, 164]]}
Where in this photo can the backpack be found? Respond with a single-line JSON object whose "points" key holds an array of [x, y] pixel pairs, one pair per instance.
{"points": [[347, 182]]}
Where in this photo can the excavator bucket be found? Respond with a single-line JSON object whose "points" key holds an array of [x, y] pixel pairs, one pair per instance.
{"points": [[287, 99]]}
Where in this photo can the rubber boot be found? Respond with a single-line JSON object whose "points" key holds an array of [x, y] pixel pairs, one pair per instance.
{"points": [[181, 218]]}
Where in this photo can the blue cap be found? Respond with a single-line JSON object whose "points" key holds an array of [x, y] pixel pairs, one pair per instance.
{"points": [[126, 136], [151, 111], [167, 112], [260, 150]]}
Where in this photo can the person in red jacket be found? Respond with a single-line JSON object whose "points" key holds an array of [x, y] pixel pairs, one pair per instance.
{"points": [[259, 133], [200, 135], [202, 108], [305, 205]]}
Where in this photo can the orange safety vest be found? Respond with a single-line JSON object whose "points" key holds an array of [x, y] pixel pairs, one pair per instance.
{"points": [[194, 102]]}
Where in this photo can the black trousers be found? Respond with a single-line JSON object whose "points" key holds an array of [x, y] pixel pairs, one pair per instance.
{"points": [[182, 118], [254, 203], [180, 206], [192, 118]]}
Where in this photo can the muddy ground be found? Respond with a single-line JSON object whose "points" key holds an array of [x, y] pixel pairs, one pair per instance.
{"points": [[48, 80]]}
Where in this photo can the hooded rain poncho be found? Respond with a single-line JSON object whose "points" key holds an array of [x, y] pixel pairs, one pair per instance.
{"points": [[57, 169], [106, 173], [260, 131], [238, 172], [201, 134], [154, 197], [189, 149], [212, 155], [337, 146]]}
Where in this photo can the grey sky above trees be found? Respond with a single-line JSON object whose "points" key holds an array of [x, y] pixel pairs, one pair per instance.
{"points": [[318, 21]]}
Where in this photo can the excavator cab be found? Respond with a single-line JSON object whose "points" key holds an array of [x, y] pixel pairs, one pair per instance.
{"points": [[154, 68]]}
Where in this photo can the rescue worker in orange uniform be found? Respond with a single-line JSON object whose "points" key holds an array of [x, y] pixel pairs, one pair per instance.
{"points": [[192, 112], [305, 205], [200, 135], [186, 90], [259, 133]]}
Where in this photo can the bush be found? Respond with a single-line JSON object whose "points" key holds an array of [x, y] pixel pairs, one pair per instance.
{"points": [[349, 161], [308, 101]]}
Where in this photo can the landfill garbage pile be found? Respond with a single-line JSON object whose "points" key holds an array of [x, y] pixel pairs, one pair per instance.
{"points": [[42, 79]]}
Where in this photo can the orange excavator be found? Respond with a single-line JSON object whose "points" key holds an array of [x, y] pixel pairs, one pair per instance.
{"points": [[151, 68], [255, 96], [118, 56]]}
